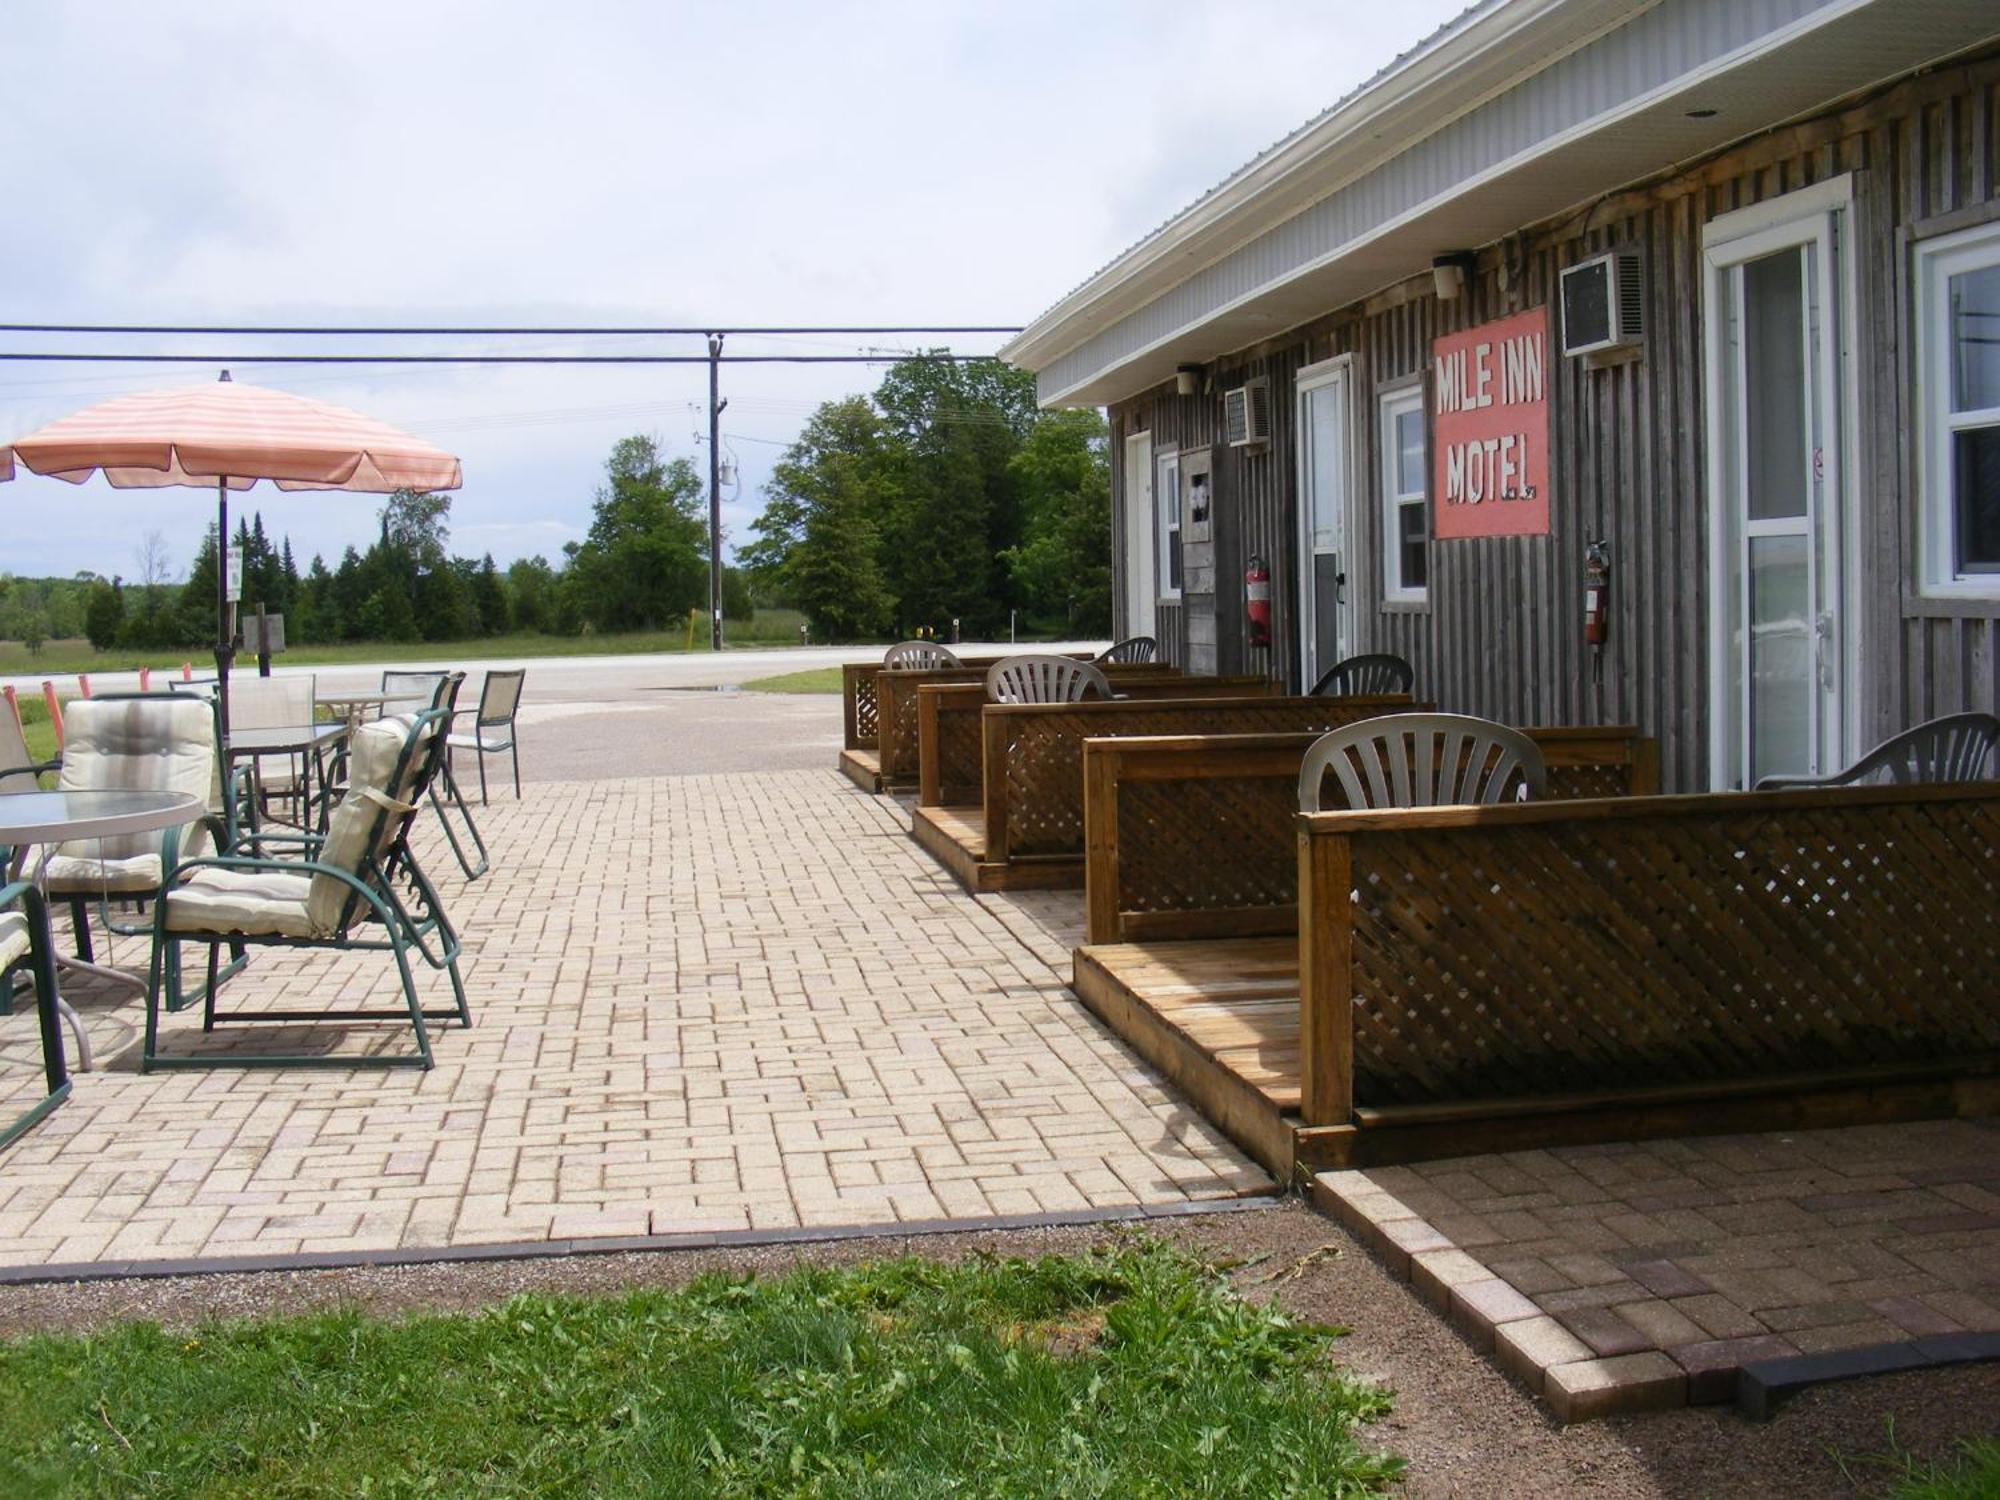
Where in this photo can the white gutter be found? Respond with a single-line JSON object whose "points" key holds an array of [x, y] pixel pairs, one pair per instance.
{"points": [[1468, 63]]}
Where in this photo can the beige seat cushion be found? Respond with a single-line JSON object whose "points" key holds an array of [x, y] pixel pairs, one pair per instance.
{"points": [[69, 875], [257, 903], [14, 943]]}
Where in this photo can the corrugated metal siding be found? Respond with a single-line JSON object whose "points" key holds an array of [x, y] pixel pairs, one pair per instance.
{"points": [[1655, 48], [1502, 636]]}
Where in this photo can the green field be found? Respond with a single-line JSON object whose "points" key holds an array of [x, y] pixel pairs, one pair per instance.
{"points": [[771, 627], [814, 680], [1134, 1372]]}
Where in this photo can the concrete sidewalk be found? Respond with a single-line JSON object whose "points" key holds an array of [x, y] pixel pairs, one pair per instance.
{"points": [[703, 1002]]}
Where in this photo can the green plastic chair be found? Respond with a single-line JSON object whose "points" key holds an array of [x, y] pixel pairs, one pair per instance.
{"points": [[359, 886]]}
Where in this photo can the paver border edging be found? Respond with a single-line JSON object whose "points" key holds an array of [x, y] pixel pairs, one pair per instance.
{"points": [[720, 1239]]}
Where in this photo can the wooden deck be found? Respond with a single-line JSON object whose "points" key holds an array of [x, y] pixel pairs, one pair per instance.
{"points": [[956, 838], [1220, 1020], [863, 768]]}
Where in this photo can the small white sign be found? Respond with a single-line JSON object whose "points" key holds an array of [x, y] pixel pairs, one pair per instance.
{"points": [[234, 579]]}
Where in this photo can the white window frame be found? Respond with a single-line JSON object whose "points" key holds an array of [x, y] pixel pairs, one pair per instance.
{"points": [[1390, 406], [1167, 508], [1937, 261]]}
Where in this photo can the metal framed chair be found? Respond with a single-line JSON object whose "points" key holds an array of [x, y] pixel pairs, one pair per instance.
{"points": [[1134, 648], [1379, 672], [28, 952], [444, 794], [276, 703], [19, 770], [493, 724], [1045, 679], [1423, 760], [1957, 747], [359, 887], [410, 692], [918, 656]]}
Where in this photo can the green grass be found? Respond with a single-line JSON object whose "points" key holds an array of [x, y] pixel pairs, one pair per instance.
{"points": [[771, 627], [816, 680], [1973, 1475], [1132, 1372]]}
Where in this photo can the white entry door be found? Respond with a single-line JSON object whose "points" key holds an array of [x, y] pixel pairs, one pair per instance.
{"points": [[1782, 655], [1141, 582], [1326, 481]]}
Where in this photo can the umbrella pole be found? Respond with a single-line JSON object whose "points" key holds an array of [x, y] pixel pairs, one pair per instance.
{"points": [[225, 643]]}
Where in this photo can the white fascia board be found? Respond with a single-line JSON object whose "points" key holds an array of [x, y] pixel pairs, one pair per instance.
{"points": [[1418, 97]]}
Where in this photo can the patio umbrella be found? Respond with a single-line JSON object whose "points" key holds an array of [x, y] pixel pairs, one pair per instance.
{"points": [[231, 435]]}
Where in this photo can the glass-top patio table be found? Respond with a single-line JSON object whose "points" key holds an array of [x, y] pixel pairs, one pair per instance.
{"points": [[309, 742], [46, 819]]}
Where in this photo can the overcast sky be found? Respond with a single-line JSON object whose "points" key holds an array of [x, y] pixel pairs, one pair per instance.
{"points": [[237, 161]]}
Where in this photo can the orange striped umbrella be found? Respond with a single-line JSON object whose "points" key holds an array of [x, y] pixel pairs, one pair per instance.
{"points": [[230, 435]]}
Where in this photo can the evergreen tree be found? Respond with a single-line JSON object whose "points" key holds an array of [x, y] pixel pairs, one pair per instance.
{"points": [[104, 617], [489, 598]]}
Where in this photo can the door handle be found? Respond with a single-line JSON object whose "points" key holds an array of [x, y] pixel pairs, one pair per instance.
{"points": [[1823, 631]]}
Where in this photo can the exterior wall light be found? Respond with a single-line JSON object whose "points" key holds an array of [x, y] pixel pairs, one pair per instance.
{"points": [[1187, 380], [1450, 272]]}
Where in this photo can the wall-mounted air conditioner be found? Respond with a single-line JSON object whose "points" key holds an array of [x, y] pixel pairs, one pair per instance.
{"points": [[1603, 303], [1246, 414]]}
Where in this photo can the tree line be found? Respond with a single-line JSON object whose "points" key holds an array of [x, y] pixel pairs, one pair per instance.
{"points": [[944, 497]]}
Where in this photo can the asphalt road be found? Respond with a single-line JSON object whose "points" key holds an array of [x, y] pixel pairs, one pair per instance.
{"points": [[591, 717]]}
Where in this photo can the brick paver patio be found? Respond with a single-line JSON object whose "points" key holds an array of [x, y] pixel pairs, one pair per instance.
{"points": [[1645, 1274], [705, 1002]]}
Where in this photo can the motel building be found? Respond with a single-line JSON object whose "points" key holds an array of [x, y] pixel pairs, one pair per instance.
{"points": [[1693, 303]]}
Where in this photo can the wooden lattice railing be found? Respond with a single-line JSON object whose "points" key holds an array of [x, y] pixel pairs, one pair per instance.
{"points": [[1550, 955], [951, 743], [857, 704], [1033, 754], [895, 707], [1193, 836]]}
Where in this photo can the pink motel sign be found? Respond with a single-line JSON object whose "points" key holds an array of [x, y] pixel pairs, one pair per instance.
{"points": [[1490, 429]]}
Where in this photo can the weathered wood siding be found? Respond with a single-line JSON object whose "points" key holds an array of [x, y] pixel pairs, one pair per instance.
{"points": [[1501, 634]]}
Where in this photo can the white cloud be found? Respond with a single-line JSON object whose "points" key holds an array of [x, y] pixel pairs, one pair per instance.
{"points": [[518, 162]]}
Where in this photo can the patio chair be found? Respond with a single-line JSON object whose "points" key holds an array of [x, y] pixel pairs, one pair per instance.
{"points": [[1134, 648], [493, 725], [1376, 673], [1045, 679], [19, 770], [274, 703], [918, 656], [153, 742], [444, 794], [409, 692], [1957, 747], [27, 954], [1423, 760], [360, 887]]}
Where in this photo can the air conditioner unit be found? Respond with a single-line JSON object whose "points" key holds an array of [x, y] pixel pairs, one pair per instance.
{"points": [[1246, 414], [1603, 303]]}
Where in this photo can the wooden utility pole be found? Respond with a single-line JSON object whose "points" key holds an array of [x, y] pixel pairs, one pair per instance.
{"points": [[715, 406]]}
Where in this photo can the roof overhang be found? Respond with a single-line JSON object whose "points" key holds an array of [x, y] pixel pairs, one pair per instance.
{"points": [[1834, 51]]}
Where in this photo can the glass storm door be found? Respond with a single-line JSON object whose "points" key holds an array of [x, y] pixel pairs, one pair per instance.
{"points": [[1774, 424], [1141, 587], [1326, 470]]}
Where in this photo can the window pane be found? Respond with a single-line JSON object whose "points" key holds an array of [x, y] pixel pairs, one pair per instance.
{"points": [[1415, 555], [1975, 339], [1975, 492], [1774, 384], [1410, 451], [1780, 658], [1326, 432]]}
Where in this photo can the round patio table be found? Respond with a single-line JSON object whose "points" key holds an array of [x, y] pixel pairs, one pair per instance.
{"points": [[52, 818]]}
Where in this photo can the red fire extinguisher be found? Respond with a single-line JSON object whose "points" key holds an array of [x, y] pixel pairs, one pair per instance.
{"points": [[1257, 600], [1596, 593]]}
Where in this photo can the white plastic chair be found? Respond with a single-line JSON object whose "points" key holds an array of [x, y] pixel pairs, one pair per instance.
{"points": [[1957, 747], [918, 656], [1045, 679], [1423, 760]]}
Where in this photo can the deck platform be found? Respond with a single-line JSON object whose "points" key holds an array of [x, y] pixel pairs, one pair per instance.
{"points": [[956, 838], [1221, 1020], [863, 768]]}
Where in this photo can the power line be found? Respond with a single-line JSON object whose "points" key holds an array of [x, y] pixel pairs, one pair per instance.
{"points": [[288, 331], [487, 359]]}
